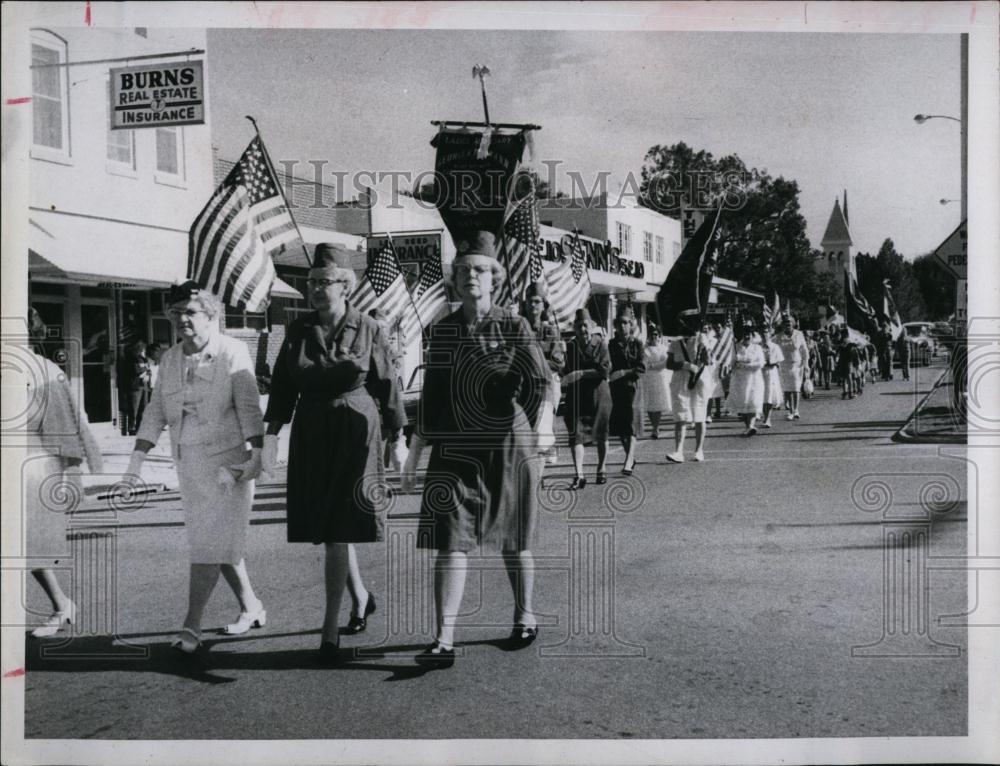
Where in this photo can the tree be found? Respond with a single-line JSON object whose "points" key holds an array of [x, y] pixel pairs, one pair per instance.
{"points": [[890, 265], [763, 233], [937, 287]]}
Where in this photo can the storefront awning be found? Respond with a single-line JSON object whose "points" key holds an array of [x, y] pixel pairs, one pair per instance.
{"points": [[94, 251]]}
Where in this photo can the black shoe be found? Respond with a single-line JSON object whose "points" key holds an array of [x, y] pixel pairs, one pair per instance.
{"points": [[601, 479], [329, 654], [357, 623], [522, 636], [578, 482], [436, 657], [628, 471]]}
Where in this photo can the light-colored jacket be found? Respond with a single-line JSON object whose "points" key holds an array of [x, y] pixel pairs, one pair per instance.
{"points": [[233, 406]]}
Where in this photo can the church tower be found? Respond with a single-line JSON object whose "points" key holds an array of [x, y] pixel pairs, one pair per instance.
{"points": [[836, 242]]}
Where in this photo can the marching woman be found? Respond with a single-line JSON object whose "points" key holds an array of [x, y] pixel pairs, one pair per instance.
{"points": [[691, 386], [627, 365], [59, 440], [746, 386], [772, 377], [207, 393], [479, 410], [794, 364], [655, 382], [335, 373], [588, 398], [535, 308]]}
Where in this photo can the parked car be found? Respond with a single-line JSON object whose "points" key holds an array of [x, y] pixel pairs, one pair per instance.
{"points": [[923, 346], [943, 334]]}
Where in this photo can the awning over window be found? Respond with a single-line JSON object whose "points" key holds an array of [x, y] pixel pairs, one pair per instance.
{"points": [[94, 251]]}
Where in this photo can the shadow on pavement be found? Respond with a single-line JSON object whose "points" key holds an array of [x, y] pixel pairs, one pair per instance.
{"points": [[103, 654]]}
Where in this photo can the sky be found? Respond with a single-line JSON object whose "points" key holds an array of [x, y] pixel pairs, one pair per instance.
{"points": [[834, 112]]}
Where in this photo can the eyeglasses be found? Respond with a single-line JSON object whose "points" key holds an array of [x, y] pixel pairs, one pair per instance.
{"points": [[313, 282], [177, 313], [477, 270]]}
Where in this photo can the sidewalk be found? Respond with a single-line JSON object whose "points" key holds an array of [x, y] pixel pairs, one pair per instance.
{"points": [[935, 419]]}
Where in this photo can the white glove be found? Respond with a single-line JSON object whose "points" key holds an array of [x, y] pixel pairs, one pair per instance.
{"points": [[408, 478], [133, 474], [226, 479], [691, 367], [251, 468], [269, 455], [571, 377], [398, 453]]}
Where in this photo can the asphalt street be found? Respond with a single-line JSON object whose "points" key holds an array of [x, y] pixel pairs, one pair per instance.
{"points": [[786, 587]]}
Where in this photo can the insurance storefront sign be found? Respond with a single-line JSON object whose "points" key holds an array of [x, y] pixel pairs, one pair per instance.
{"points": [[158, 95]]}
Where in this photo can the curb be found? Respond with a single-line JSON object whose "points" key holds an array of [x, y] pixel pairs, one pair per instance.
{"points": [[907, 433]]}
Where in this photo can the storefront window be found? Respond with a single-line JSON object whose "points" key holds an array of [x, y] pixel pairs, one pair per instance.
{"points": [[647, 247], [49, 97], [121, 146], [659, 250]]}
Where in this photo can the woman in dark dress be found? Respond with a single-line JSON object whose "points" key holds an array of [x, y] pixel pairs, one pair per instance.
{"points": [[334, 371], [626, 354], [484, 386], [588, 399]]}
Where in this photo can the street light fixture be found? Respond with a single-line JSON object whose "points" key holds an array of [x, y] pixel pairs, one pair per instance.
{"points": [[920, 119]]}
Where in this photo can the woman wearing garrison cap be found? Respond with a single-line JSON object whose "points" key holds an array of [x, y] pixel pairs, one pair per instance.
{"points": [[588, 398], [627, 365], [480, 410], [334, 372], [206, 392]]}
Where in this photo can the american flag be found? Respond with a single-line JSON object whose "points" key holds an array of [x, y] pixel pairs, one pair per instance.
{"points": [[382, 286], [569, 285], [724, 351], [232, 240], [772, 315], [429, 299], [520, 249]]}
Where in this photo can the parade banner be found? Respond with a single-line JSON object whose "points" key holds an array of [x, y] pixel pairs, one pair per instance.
{"points": [[158, 95], [683, 298], [472, 186]]}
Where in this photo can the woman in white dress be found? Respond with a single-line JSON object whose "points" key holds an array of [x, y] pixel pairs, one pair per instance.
{"points": [[795, 361], [58, 441], [207, 394], [690, 388], [772, 378], [746, 386], [655, 381]]}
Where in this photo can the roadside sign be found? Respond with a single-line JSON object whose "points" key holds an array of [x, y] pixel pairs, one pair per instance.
{"points": [[952, 254], [158, 95]]}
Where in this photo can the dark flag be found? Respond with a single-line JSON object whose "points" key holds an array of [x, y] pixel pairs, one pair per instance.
{"points": [[473, 191], [858, 312], [683, 298], [888, 312]]}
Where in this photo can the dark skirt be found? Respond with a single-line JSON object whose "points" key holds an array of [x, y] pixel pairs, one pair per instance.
{"points": [[336, 480], [622, 422], [587, 411], [482, 489]]}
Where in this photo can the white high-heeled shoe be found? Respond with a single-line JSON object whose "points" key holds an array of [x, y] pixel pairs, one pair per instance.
{"points": [[55, 622], [186, 642], [247, 620]]}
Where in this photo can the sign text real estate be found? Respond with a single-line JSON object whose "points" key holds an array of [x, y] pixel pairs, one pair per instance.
{"points": [[158, 95]]}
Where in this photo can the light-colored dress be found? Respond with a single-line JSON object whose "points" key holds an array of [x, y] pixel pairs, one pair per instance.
{"points": [[746, 386], [57, 434], [772, 378], [795, 352], [211, 403], [655, 382], [690, 405]]}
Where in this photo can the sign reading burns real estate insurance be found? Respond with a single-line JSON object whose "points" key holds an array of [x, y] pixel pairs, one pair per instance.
{"points": [[157, 95]]}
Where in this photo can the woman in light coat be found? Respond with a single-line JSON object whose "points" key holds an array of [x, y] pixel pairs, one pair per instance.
{"points": [[655, 381], [207, 393]]}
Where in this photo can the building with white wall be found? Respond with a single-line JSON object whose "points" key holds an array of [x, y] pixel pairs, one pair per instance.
{"points": [[109, 211]]}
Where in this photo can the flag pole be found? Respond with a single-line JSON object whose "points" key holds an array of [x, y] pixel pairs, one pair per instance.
{"points": [[281, 190], [392, 248]]}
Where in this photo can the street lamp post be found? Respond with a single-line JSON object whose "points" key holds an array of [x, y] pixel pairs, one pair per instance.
{"points": [[920, 119]]}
